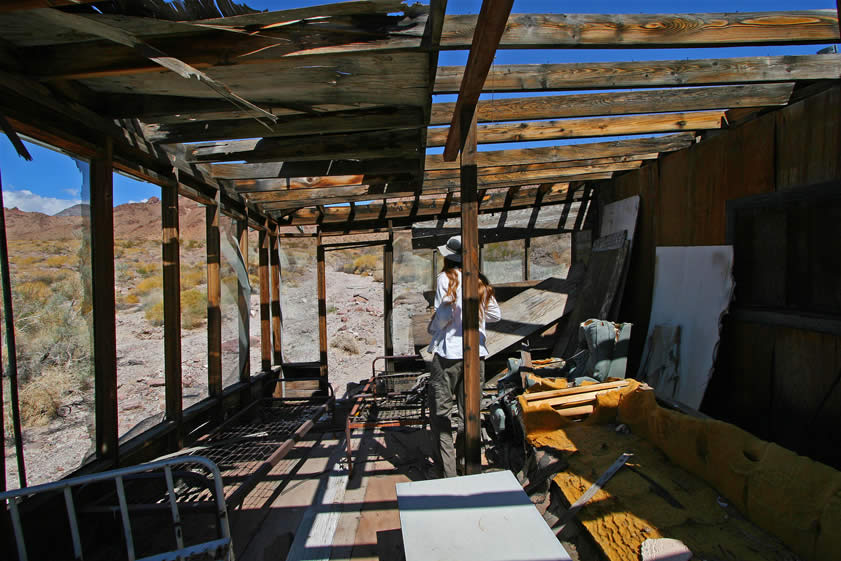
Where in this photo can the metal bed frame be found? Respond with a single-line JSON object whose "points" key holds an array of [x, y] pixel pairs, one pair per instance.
{"points": [[249, 444], [382, 403], [217, 549]]}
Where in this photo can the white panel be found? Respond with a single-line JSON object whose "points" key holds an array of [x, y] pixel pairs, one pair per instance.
{"points": [[693, 287], [485, 517]]}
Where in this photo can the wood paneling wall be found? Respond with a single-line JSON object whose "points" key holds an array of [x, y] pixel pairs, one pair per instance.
{"points": [[770, 379]]}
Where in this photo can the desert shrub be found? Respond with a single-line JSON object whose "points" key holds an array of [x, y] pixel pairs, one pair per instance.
{"points": [[50, 276], [148, 270], [54, 248], [194, 244], [346, 342], [27, 260], [60, 260], [41, 397], [193, 308], [154, 312], [254, 279], [34, 292], [365, 264], [150, 284], [192, 277], [126, 301], [123, 272]]}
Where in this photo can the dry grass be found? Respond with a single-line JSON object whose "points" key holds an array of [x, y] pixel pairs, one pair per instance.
{"points": [[41, 397], [150, 284]]}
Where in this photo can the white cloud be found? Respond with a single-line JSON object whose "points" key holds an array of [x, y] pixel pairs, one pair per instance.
{"points": [[146, 200], [30, 202], [72, 192]]}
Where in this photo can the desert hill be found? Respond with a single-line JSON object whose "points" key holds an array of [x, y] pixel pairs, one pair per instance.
{"points": [[139, 221]]}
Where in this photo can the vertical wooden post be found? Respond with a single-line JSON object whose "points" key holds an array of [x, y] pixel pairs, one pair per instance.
{"points": [[104, 307], [470, 299], [322, 315], [172, 310], [526, 258], [388, 299], [214, 303], [277, 323], [244, 308], [265, 301], [434, 282]]}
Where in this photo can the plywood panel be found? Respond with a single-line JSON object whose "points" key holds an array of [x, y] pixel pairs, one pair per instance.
{"points": [[674, 221], [809, 140]]}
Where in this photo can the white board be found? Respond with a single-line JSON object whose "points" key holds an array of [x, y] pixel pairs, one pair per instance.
{"points": [[486, 517], [693, 287], [620, 215]]}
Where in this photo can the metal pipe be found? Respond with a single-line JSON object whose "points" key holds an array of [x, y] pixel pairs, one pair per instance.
{"points": [[10, 342]]}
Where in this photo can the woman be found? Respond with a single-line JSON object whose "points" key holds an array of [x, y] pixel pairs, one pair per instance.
{"points": [[447, 370]]}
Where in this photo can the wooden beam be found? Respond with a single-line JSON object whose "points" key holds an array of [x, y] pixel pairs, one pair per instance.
{"points": [[301, 183], [422, 239], [590, 127], [618, 31], [99, 29], [646, 74], [571, 152], [621, 103], [513, 180], [381, 144], [378, 118], [382, 212], [470, 296], [321, 281], [277, 326], [388, 299], [104, 306], [278, 170], [265, 303], [214, 306], [172, 313], [489, 27], [244, 308], [584, 166], [532, 176]]}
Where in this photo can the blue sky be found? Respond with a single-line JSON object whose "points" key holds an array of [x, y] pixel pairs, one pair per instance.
{"points": [[52, 182]]}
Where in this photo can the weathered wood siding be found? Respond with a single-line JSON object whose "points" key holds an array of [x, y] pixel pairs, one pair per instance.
{"points": [[772, 379]]}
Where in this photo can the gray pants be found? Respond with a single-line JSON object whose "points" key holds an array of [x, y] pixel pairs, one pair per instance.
{"points": [[445, 381]]}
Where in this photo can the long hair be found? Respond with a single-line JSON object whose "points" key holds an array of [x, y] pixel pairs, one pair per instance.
{"points": [[486, 291]]}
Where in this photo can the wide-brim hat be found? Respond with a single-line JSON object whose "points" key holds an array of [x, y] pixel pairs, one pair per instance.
{"points": [[452, 249]]}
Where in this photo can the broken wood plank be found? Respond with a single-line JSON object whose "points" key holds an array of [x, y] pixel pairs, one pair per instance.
{"points": [[646, 74], [293, 125], [575, 411], [621, 103], [634, 146], [534, 175], [400, 144], [590, 127], [99, 29], [278, 170]]}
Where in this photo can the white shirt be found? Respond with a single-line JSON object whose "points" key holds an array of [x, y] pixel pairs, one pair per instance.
{"points": [[445, 326]]}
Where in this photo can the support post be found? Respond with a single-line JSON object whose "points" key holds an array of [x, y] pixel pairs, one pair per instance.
{"points": [[388, 299], [322, 315], [104, 308], [244, 309], [434, 281], [277, 317], [470, 297], [12, 350], [265, 301], [172, 311], [526, 258], [214, 310]]}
